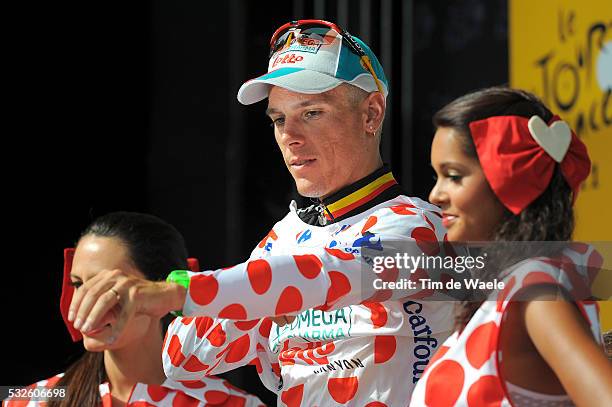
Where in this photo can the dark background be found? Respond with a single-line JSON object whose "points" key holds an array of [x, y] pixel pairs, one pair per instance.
{"points": [[133, 106]]}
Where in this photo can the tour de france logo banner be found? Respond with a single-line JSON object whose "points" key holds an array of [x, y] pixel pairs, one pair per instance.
{"points": [[561, 50]]}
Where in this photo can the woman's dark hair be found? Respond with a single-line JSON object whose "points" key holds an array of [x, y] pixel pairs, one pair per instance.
{"points": [[548, 218], [156, 248]]}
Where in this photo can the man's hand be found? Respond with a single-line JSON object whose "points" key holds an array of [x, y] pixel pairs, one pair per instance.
{"points": [[92, 300]]}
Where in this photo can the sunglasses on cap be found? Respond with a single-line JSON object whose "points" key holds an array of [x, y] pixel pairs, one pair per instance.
{"points": [[315, 32]]}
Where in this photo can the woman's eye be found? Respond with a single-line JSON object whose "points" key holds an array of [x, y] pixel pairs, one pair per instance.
{"points": [[76, 284], [454, 177]]}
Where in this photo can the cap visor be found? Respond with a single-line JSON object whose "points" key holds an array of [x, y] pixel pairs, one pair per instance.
{"points": [[294, 79]]}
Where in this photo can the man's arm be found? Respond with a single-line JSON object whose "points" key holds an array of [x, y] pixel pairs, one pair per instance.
{"points": [[328, 278]]}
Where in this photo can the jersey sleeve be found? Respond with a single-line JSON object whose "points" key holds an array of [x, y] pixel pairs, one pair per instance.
{"points": [[203, 346], [326, 278]]}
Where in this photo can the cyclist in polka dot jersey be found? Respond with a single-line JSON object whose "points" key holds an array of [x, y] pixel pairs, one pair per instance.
{"points": [[303, 308], [505, 175]]}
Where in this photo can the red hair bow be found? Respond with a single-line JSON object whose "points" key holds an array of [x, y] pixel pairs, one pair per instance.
{"points": [[518, 156], [68, 290]]}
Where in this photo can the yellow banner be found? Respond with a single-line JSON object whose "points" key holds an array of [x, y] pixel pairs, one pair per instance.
{"points": [[561, 50]]}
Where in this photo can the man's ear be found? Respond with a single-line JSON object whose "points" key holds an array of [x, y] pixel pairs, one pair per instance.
{"points": [[374, 104]]}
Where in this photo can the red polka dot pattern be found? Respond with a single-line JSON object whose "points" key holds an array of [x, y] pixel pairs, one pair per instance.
{"points": [[203, 289], [444, 384], [157, 393], [257, 363], [343, 389], [339, 287], [194, 364], [217, 336], [289, 301], [379, 314], [384, 348], [183, 400], [594, 265], [538, 277], [438, 355], [426, 240], [238, 349], [215, 396], [403, 209], [233, 311], [175, 350], [481, 344], [246, 325], [485, 392], [474, 347], [293, 397], [260, 275], [193, 384], [309, 265], [134, 404], [203, 324], [235, 401], [265, 327], [579, 247]]}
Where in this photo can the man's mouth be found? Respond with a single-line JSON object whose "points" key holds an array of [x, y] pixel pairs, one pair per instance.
{"points": [[298, 163]]}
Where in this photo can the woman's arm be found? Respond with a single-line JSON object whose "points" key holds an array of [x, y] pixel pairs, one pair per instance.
{"points": [[562, 337]]}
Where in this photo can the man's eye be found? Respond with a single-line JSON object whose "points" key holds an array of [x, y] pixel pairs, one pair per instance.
{"points": [[312, 113], [278, 122]]}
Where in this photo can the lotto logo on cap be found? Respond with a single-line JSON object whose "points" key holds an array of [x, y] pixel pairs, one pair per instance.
{"points": [[314, 62]]}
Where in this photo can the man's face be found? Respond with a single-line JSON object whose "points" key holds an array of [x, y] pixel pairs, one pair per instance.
{"points": [[322, 138]]}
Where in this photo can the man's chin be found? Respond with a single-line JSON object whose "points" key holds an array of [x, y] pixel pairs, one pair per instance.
{"points": [[308, 188]]}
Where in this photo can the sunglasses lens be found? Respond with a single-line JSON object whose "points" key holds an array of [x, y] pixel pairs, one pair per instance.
{"points": [[303, 37]]}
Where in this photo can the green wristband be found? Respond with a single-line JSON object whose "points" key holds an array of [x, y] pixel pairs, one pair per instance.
{"points": [[178, 277]]}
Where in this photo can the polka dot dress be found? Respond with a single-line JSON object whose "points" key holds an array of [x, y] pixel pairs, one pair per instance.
{"points": [[466, 369]]}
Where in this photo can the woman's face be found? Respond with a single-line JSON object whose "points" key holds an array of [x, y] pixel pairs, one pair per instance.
{"points": [[92, 255], [471, 211]]}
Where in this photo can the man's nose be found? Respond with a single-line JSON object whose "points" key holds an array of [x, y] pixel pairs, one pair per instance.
{"points": [[291, 133]]}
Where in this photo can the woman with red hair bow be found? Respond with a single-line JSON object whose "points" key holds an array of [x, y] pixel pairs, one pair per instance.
{"points": [[128, 372], [508, 171]]}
